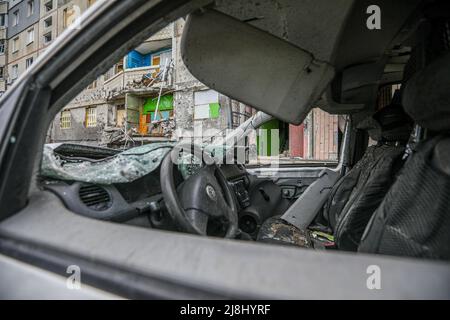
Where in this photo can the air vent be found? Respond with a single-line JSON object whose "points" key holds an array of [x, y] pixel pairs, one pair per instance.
{"points": [[95, 197]]}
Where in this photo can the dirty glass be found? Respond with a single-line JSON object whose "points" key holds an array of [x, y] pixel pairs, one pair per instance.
{"points": [[126, 166]]}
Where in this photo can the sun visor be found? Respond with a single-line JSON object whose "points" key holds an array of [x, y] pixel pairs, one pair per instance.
{"points": [[253, 66]]}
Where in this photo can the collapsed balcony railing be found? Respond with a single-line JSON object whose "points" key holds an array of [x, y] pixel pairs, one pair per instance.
{"points": [[153, 81]]}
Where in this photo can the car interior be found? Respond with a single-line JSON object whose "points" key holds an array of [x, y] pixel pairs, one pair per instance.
{"points": [[387, 197]]}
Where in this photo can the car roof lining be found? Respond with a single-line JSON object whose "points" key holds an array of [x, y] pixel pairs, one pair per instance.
{"points": [[335, 31], [287, 19]]}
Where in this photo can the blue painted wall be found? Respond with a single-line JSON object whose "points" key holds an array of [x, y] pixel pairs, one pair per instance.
{"points": [[135, 59]]}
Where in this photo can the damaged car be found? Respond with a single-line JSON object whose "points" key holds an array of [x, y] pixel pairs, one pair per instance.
{"points": [[188, 219]]}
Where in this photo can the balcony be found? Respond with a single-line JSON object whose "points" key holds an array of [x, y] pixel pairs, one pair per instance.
{"points": [[139, 81]]}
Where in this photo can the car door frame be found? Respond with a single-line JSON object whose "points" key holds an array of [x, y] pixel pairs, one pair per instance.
{"points": [[30, 219]]}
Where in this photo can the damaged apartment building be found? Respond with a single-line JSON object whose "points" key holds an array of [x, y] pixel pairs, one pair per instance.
{"points": [[147, 96]]}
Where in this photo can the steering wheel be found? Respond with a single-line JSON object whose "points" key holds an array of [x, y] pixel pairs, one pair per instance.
{"points": [[202, 197]]}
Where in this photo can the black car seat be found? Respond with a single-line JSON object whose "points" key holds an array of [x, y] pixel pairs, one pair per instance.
{"points": [[414, 218], [356, 196]]}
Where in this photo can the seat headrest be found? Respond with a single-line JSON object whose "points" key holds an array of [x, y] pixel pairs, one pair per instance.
{"points": [[390, 123], [426, 96]]}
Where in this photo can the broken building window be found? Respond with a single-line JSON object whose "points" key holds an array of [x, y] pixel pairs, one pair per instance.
{"points": [[91, 117], [3, 19], [118, 67], [120, 116], [30, 36], [69, 16], [14, 71], [29, 62], [156, 60], [15, 45], [30, 8], [48, 22], [15, 18], [48, 6], [206, 105], [66, 120], [2, 46], [48, 37]]}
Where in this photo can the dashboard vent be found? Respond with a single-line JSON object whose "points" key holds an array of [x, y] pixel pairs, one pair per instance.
{"points": [[95, 197]]}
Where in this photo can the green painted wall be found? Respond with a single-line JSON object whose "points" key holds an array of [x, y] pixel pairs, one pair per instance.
{"points": [[264, 139]]}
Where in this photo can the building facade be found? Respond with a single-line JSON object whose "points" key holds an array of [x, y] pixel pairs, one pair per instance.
{"points": [[23, 43], [30, 26], [147, 96], [3, 45]]}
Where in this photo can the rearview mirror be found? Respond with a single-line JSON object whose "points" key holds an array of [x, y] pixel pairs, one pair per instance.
{"points": [[253, 66]]}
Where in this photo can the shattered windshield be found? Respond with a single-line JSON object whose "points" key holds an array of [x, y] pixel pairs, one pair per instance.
{"points": [[123, 167]]}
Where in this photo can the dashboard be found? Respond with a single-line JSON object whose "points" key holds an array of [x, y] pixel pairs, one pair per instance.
{"points": [[257, 199]]}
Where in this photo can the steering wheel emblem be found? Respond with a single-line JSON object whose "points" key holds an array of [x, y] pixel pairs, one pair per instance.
{"points": [[211, 192]]}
